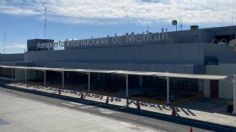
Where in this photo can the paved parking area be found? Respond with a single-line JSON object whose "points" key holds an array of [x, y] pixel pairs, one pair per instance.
{"points": [[205, 110], [188, 112], [24, 115]]}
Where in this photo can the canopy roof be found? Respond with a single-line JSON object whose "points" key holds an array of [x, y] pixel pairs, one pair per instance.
{"points": [[123, 72]]}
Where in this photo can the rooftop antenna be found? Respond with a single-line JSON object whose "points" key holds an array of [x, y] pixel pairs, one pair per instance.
{"points": [[147, 29], [4, 42], [181, 25], [231, 11], [45, 18], [233, 17], [110, 30]]}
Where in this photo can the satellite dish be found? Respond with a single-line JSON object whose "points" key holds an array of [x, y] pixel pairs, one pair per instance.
{"points": [[174, 22]]}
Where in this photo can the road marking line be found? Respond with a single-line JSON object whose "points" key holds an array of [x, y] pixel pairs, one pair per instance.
{"points": [[86, 107], [67, 104], [106, 111], [74, 103]]}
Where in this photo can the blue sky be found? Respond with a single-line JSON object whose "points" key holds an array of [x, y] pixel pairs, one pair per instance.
{"points": [[79, 19]]}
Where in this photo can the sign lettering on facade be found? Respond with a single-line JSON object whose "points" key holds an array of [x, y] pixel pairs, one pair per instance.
{"points": [[124, 39]]}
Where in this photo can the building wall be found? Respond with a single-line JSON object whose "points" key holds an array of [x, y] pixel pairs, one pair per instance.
{"points": [[155, 57], [11, 57], [225, 86], [223, 53], [116, 66]]}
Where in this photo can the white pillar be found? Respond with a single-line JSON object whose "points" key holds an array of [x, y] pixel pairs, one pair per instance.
{"points": [[44, 78], [89, 83], [62, 80], [234, 94], [26, 77], [127, 85], [168, 90]]}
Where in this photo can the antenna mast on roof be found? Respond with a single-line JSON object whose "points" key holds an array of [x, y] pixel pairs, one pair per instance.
{"points": [[45, 18], [109, 29], [231, 9], [147, 29], [233, 17], [4, 42], [181, 25]]}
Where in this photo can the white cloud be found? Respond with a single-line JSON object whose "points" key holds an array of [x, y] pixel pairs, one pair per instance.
{"points": [[17, 11], [14, 48], [125, 11], [16, 45]]}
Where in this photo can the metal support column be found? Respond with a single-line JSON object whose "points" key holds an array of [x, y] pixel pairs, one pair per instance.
{"points": [[26, 77], [89, 83], [234, 94], [62, 80], [167, 90], [127, 85], [45, 78], [127, 89], [12, 74]]}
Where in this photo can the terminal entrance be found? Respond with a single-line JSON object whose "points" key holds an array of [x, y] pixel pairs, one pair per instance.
{"points": [[108, 84], [154, 88], [214, 89]]}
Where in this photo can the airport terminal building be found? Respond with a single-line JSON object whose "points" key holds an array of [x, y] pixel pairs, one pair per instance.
{"points": [[195, 51]]}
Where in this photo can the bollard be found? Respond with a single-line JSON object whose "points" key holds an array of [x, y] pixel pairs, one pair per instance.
{"points": [[107, 100], [138, 105], [59, 91], [173, 111], [82, 95], [191, 129], [127, 102]]}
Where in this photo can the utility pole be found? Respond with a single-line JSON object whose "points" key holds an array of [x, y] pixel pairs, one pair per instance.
{"points": [[233, 17], [110, 30], [181, 24], [45, 19], [4, 42], [147, 29]]}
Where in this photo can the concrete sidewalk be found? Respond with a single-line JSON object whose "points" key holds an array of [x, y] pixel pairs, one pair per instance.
{"points": [[211, 117]]}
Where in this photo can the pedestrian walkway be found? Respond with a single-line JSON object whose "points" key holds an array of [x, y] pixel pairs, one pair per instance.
{"points": [[186, 111]]}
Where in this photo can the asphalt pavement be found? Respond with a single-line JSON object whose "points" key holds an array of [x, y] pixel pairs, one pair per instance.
{"points": [[145, 121]]}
